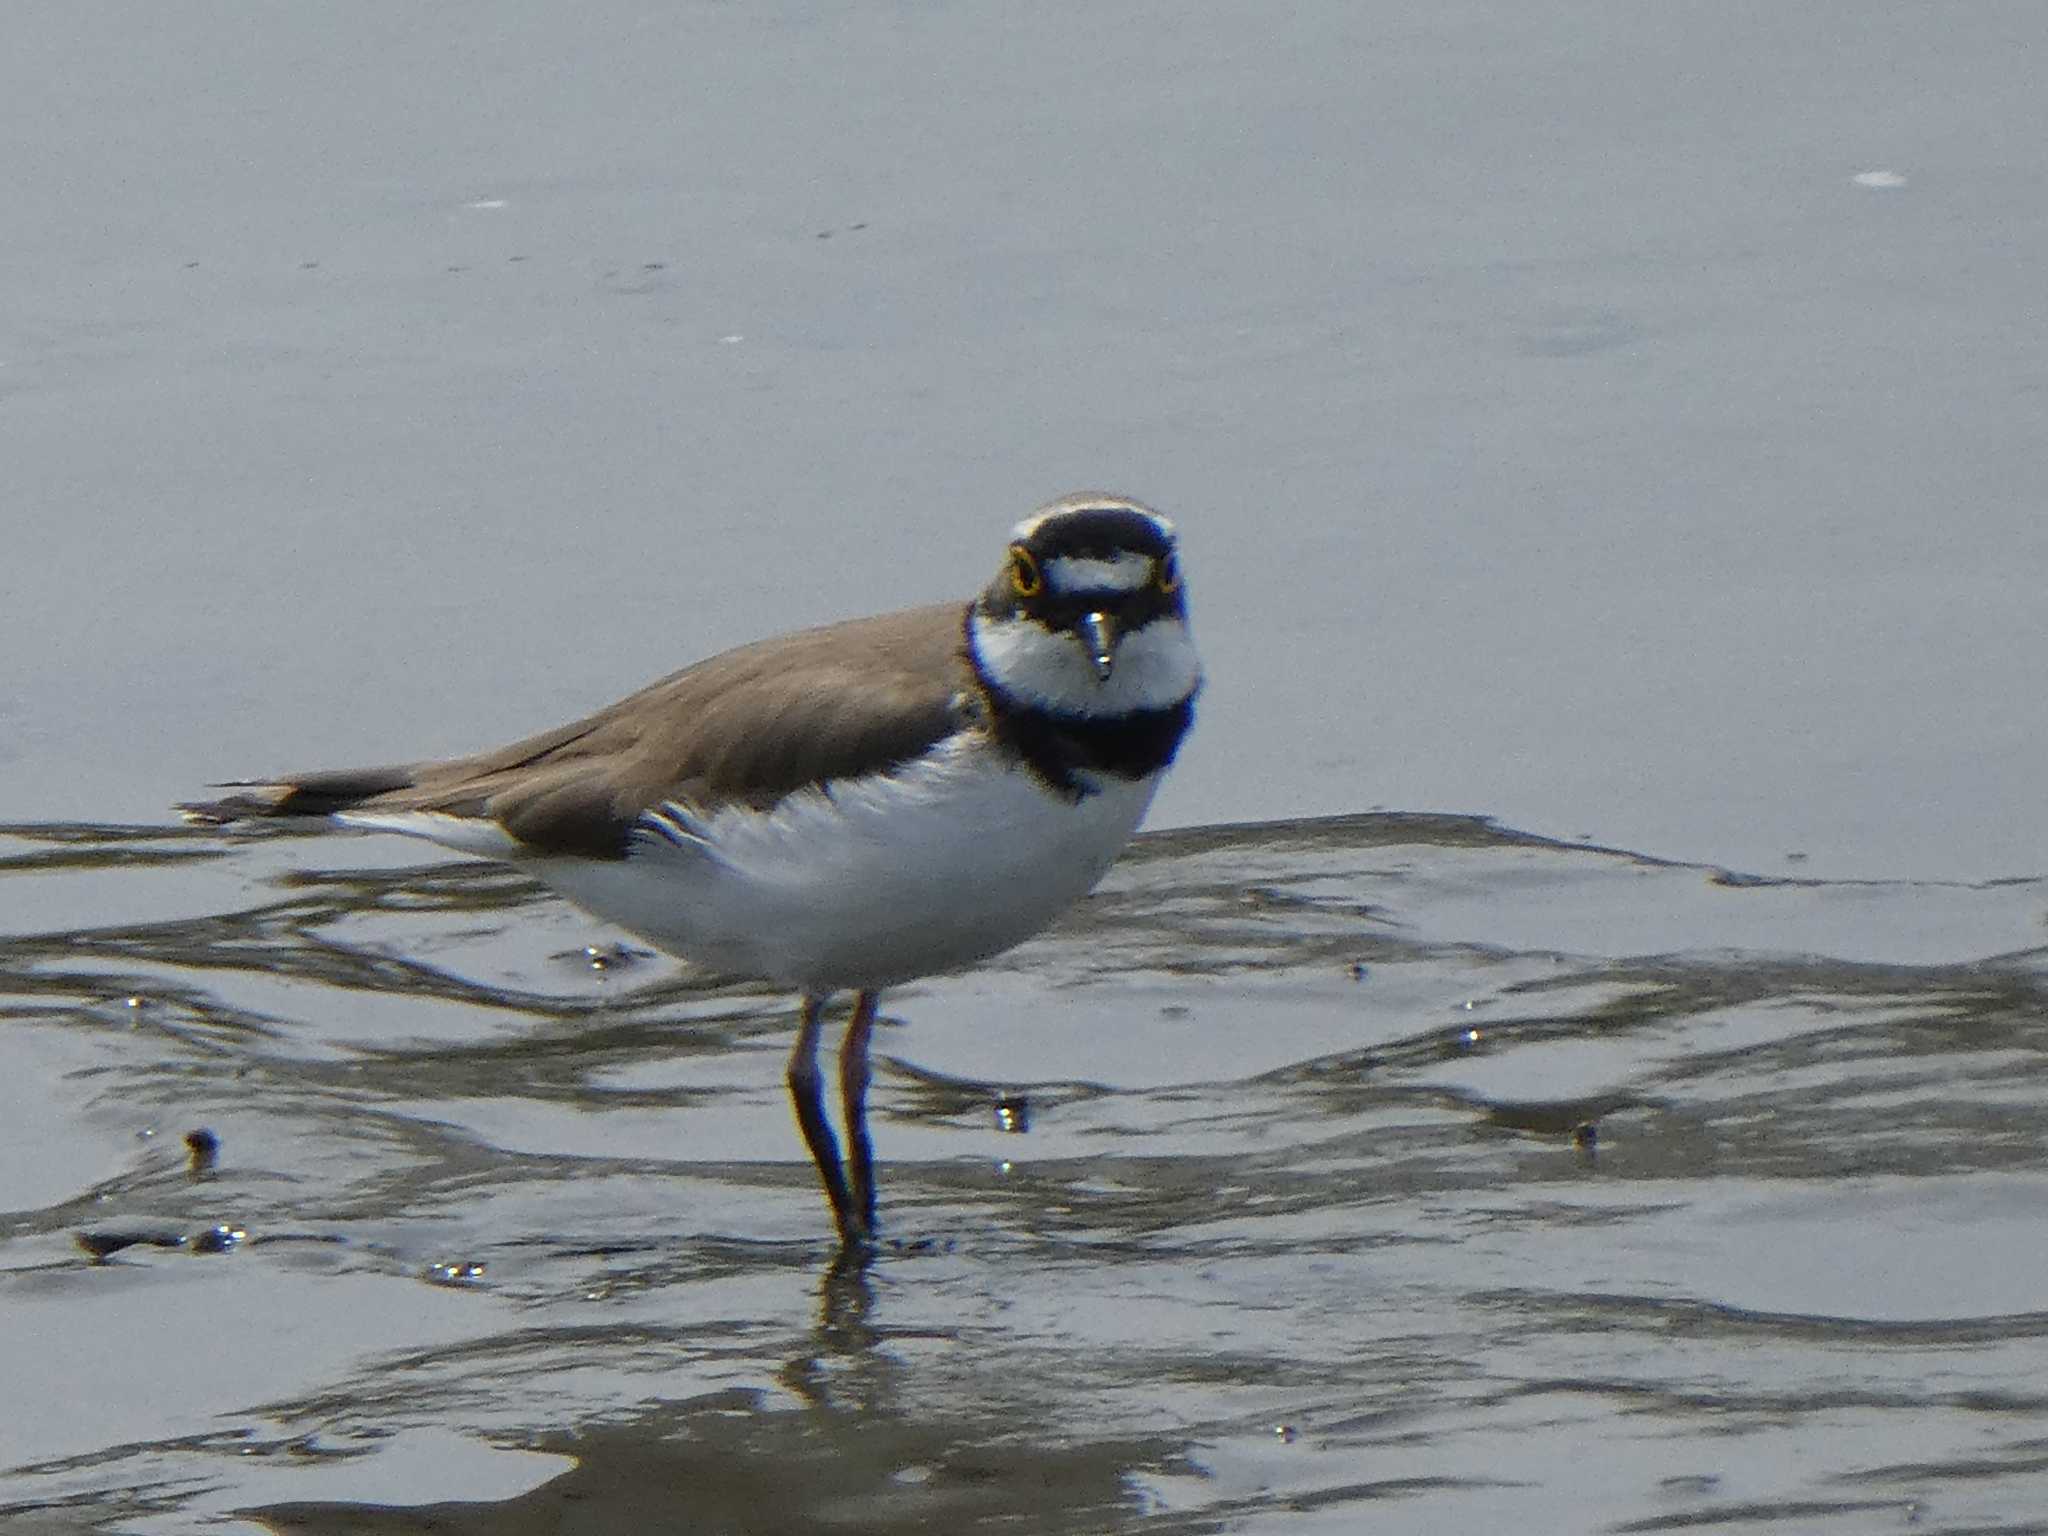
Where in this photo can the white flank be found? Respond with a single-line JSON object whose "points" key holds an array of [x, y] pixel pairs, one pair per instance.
{"points": [[1156, 666], [1128, 572], [866, 882], [465, 834]]}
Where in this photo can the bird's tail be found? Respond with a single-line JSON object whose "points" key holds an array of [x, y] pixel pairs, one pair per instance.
{"points": [[302, 794]]}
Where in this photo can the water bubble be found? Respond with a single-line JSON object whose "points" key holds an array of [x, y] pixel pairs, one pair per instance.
{"points": [[602, 959]]}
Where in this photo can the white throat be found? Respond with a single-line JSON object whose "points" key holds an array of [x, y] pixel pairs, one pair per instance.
{"points": [[1156, 666]]}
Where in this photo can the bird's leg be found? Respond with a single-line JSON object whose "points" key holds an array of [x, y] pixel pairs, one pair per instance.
{"points": [[805, 1093], [853, 1104]]}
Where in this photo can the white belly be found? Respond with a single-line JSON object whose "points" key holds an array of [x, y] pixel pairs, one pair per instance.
{"points": [[864, 885]]}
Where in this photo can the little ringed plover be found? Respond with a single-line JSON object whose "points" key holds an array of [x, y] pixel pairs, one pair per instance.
{"points": [[843, 808]]}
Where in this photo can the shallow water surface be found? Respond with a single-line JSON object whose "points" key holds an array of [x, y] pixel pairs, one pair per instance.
{"points": [[1383, 1168], [1619, 418]]}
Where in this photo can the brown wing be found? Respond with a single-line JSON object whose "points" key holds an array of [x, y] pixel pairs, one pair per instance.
{"points": [[751, 725]]}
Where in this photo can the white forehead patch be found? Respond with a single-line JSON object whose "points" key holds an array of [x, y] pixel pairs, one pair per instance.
{"points": [[1127, 572]]}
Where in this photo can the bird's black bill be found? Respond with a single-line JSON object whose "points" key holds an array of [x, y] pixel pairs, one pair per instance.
{"points": [[1098, 633]]}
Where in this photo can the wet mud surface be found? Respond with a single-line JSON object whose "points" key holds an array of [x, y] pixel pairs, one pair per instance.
{"points": [[1397, 1169]]}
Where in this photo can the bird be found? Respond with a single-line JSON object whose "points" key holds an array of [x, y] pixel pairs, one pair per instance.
{"points": [[843, 808]]}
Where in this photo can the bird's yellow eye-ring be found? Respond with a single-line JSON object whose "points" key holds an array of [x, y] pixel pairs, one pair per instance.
{"points": [[1026, 580], [1166, 575]]}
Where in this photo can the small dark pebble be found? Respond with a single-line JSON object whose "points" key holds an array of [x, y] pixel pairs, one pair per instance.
{"points": [[204, 1147], [102, 1243], [106, 1242]]}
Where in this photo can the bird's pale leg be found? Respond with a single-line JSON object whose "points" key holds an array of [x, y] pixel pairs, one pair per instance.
{"points": [[806, 1086], [853, 1104]]}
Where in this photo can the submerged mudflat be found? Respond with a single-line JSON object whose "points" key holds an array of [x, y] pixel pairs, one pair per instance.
{"points": [[1395, 1168]]}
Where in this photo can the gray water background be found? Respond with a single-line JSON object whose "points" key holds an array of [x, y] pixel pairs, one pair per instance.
{"points": [[1619, 420]]}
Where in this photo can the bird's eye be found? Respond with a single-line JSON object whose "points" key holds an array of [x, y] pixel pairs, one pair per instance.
{"points": [[1026, 580], [1166, 574]]}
